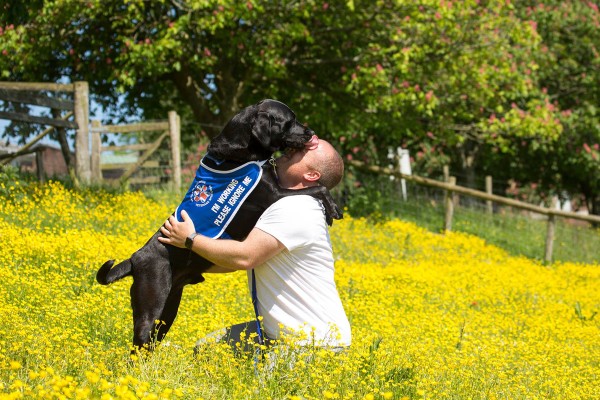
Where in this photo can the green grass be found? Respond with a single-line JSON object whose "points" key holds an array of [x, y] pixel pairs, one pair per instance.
{"points": [[508, 228]]}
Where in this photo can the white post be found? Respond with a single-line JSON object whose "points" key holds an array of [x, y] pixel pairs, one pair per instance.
{"points": [[404, 164]]}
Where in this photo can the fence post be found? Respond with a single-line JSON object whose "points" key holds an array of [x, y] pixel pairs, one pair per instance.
{"points": [[550, 232], [449, 206], [175, 136], [82, 141], [39, 163], [488, 189], [446, 171], [96, 150]]}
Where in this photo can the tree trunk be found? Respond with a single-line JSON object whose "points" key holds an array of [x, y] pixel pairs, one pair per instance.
{"points": [[468, 154], [64, 145], [593, 205]]}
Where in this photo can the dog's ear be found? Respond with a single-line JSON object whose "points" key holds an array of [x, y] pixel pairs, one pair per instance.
{"points": [[262, 129]]}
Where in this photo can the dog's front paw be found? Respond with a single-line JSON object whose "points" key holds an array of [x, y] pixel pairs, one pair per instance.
{"points": [[332, 211]]}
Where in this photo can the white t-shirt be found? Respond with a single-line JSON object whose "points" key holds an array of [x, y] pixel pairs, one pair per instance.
{"points": [[296, 287]]}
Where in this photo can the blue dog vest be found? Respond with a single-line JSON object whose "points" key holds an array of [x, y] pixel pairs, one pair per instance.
{"points": [[215, 196]]}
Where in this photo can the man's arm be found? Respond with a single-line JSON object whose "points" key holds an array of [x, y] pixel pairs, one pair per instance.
{"points": [[257, 248]]}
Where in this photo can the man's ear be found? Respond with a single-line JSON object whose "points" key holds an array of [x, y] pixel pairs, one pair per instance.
{"points": [[312, 176]]}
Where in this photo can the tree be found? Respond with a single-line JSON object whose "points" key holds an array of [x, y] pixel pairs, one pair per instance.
{"points": [[455, 77], [206, 59], [570, 73], [480, 84]]}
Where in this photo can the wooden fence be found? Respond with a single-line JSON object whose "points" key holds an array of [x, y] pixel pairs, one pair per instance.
{"points": [[35, 93], [86, 167], [450, 187], [170, 128]]}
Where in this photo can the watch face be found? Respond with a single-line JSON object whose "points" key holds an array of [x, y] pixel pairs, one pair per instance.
{"points": [[189, 241]]}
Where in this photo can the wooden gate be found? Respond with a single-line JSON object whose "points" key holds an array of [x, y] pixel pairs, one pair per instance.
{"points": [[170, 128], [35, 93]]}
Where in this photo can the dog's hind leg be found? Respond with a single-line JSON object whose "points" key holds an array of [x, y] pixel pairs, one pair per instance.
{"points": [[169, 313]]}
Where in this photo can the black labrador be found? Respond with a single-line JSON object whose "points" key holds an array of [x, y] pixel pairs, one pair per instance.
{"points": [[161, 271]]}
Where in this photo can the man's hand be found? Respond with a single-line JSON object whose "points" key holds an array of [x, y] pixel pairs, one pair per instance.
{"points": [[176, 232]]}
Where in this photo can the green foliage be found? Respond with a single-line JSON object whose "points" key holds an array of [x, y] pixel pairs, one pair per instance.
{"points": [[380, 199], [484, 86]]}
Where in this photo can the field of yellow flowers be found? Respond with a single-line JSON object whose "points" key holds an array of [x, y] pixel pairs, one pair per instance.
{"points": [[433, 316]]}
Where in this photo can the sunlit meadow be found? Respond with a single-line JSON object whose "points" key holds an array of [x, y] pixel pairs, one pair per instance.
{"points": [[433, 316]]}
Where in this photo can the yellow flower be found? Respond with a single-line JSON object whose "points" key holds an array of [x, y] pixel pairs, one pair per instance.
{"points": [[15, 365]]}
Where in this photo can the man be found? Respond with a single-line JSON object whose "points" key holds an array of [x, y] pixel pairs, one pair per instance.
{"points": [[290, 252]]}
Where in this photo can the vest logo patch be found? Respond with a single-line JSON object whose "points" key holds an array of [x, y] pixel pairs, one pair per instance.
{"points": [[201, 194]]}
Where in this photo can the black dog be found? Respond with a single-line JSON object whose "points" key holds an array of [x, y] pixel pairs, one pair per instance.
{"points": [[161, 271]]}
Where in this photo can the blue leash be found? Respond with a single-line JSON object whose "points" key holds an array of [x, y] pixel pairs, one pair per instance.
{"points": [[258, 327], [255, 304]]}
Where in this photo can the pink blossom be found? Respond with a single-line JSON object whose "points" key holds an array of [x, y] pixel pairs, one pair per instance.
{"points": [[587, 148], [417, 88], [533, 25], [325, 6], [379, 68], [429, 95], [207, 52], [430, 134]]}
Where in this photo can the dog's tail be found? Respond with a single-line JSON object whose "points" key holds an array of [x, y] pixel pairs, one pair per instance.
{"points": [[107, 274]]}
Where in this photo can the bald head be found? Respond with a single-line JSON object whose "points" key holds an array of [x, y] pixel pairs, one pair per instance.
{"points": [[328, 162], [316, 164]]}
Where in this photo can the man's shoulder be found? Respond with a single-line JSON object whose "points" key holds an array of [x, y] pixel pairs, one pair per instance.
{"points": [[299, 200], [294, 207]]}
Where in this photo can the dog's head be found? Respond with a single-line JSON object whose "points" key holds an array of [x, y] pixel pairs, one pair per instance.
{"points": [[259, 130]]}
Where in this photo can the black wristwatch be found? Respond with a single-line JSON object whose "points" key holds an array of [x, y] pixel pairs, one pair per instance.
{"points": [[189, 241]]}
